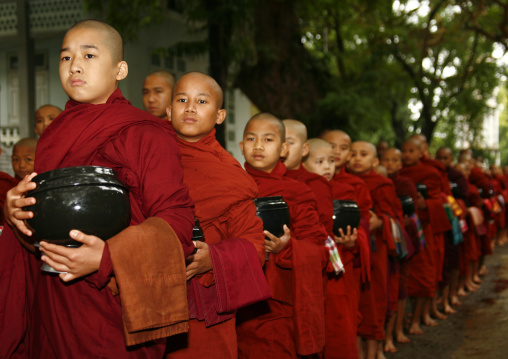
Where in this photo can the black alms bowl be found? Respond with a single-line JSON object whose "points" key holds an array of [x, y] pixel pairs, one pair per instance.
{"points": [[274, 212], [455, 189], [408, 205], [423, 190], [345, 213], [88, 198]]}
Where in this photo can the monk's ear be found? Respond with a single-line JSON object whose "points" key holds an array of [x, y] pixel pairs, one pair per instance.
{"points": [[221, 116], [284, 150], [168, 112], [375, 163], [122, 70], [305, 149], [241, 147]]}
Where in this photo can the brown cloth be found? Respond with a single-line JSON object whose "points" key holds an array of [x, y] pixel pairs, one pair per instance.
{"points": [[151, 282]]}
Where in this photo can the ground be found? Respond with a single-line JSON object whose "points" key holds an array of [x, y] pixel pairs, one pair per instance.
{"points": [[479, 329]]}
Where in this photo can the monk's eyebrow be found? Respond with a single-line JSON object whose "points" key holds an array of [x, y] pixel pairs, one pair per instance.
{"points": [[82, 46]]}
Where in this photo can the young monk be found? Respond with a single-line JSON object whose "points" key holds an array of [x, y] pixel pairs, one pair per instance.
{"points": [[392, 161], [341, 144], [386, 208], [23, 157], [453, 253], [233, 233], [292, 322], [157, 93], [341, 290], [44, 116], [426, 266], [132, 286]]}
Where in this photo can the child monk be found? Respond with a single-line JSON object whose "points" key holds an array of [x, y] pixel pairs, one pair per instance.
{"points": [[427, 265], [157, 90], [23, 157], [391, 159], [123, 297], [386, 209], [44, 116], [233, 233], [341, 145], [292, 322], [341, 290]]}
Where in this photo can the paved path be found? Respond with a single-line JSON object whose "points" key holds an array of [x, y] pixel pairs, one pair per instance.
{"points": [[479, 329]]}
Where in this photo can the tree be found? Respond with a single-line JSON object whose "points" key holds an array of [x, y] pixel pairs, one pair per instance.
{"points": [[375, 68]]}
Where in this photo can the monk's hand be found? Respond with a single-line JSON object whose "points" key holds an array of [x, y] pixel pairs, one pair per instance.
{"points": [[375, 222], [199, 262], [407, 221], [347, 239], [422, 203], [74, 262], [275, 244], [15, 201]]}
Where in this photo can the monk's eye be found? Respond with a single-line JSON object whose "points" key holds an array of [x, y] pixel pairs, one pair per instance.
{"points": [[201, 101], [66, 58], [181, 100], [89, 56]]}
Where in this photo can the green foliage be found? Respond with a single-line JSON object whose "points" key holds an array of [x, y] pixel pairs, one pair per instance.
{"points": [[378, 69]]}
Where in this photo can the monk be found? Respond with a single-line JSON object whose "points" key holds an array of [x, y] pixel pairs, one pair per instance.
{"points": [[133, 285], [44, 116], [157, 93], [452, 253], [384, 283], [292, 322], [23, 157], [341, 145], [392, 161], [341, 290], [233, 233], [426, 266]]}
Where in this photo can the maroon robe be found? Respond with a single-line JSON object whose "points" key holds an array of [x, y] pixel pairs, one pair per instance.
{"points": [[374, 300], [228, 218], [293, 320], [83, 318]]}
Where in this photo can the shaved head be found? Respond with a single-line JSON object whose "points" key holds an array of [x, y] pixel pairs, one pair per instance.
{"points": [[331, 135], [26, 142], [317, 144], [366, 146], [204, 78], [111, 38], [268, 117], [166, 75], [414, 141], [298, 128]]}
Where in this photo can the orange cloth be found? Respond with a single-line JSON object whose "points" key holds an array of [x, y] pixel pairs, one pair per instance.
{"points": [[151, 284]]}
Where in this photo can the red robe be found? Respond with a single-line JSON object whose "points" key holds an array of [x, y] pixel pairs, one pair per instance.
{"points": [[343, 293], [293, 320], [375, 298], [228, 218], [323, 192], [404, 187], [83, 318], [363, 261], [435, 214]]}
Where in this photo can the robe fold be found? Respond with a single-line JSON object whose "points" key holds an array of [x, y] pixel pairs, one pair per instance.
{"points": [[84, 318], [293, 320], [374, 299], [235, 238]]}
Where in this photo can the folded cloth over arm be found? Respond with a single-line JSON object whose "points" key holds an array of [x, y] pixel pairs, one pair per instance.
{"points": [[149, 269]]}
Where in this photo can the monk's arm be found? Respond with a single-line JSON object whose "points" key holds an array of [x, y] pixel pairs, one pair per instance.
{"points": [[243, 223]]}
